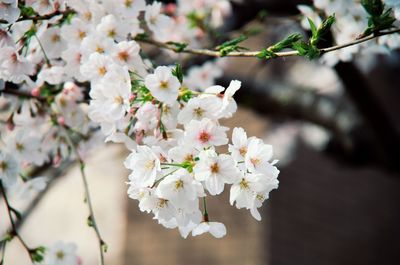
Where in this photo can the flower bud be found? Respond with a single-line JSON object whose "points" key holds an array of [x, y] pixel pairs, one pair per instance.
{"points": [[57, 160], [61, 120], [35, 92]]}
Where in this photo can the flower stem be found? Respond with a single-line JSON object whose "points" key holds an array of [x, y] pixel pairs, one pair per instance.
{"points": [[13, 226], [93, 223]]}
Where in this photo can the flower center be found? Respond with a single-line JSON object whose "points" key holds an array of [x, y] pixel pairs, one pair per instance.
{"points": [[161, 203], [178, 184], [102, 70], [149, 165], [60, 255], [123, 56], [255, 161], [119, 100], [99, 49], [128, 3], [243, 151], [188, 157], [3, 165], [112, 33], [163, 84], [214, 168], [198, 112], [20, 147], [204, 137], [55, 38], [81, 34], [244, 184]]}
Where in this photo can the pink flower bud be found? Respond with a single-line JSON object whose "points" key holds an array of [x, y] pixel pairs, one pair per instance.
{"points": [[57, 160], [61, 120], [132, 97], [139, 137], [170, 8], [200, 33], [35, 92], [10, 126]]}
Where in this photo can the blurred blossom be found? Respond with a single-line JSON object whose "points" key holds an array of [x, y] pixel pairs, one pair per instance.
{"points": [[315, 136], [284, 138]]}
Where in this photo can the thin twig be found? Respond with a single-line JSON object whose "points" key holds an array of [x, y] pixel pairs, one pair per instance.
{"points": [[20, 93], [14, 228], [92, 219], [39, 18], [255, 53]]}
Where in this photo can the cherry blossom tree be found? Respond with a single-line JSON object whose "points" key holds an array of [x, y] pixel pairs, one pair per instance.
{"points": [[78, 73]]}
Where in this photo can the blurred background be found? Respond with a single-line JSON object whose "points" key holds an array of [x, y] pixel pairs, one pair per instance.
{"points": [[335, 131]]}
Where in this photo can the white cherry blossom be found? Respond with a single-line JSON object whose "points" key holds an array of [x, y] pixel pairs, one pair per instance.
{"points": [[215, 170], [9, 169], [163, 85], [61, 254], [216, 229], [145, 165], [205, 133]]}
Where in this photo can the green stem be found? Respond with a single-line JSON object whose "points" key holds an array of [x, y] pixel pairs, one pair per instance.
{"points": [[44, 52]]}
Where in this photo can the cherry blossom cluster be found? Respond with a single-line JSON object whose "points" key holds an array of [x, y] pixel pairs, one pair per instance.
{"points": [[73, 74], [351, 20], [180, 165], [170, 122]]}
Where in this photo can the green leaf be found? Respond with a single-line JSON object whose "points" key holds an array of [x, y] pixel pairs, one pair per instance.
{"points": [[231, 45], [185, 94], [266, 54], [312, 26], [89, 221], [141, 36], [179, 46], [323, 29], [27, 11], [37, 254], [287, 42], [307, 50], [177, 71], [373, 7], [104, 246], [378, 23], [233, 42]]}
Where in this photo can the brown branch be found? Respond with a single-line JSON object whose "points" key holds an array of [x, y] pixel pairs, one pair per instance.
{"points": [[213, 53], [39, 18], [19, 93], [13, 226]]}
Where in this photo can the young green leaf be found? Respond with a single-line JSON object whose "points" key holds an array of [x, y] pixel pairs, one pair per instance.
{"points": [[287, 42], [37, 254], [373, 7], [177, 71], [231, 45], [312, 26], [379, 22], [322, 30], [179, 46], [307, 50]]}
